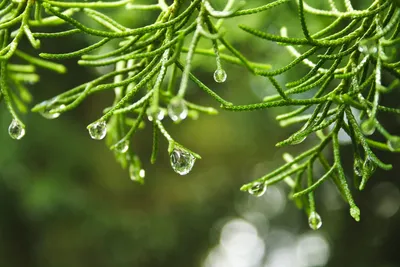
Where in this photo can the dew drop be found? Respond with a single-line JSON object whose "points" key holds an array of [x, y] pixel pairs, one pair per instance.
{"points": [[16, 130], [314, 220], [220, 75], [177, 109], [369, 166], [122, 146], [368, 127], [46, 112], [368, 47], [136, 174], [97, 130], [358, 166], [258, 189], [155, 112], [182, 161], [393, 143]]}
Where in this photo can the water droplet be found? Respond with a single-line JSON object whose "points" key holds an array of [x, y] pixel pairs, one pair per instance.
{"points": [[97, 130], [182, 161], [314, 220], [368, 47], [155, 112], [136, 174], [369, 166], [177, 109], [355, 213], [393, 143], [358, 166], [258, 189], [368, 127], [122, 146], [16, 130], [220, 76], [46, 112]]}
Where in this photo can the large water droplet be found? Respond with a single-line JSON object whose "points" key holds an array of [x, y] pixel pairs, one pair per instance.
{"points": [[393, 143], [97, 130], [177, 109], [258, 189], [122, 146], [182, 161], [136, 174], [369, 166], [16, 130], [155, 112], [358, 166], [368, 127], [368, 47], [314, 220], [220, 76]]}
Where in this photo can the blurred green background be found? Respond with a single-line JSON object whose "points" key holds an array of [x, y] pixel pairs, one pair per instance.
{"points": [[65, 202]]}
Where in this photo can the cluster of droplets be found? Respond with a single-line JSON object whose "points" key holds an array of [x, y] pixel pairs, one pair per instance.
{"points": [[177, 109], [16, 130], [314, 220], [258, 189], [182, 161], [97, 130], [220, 76]]}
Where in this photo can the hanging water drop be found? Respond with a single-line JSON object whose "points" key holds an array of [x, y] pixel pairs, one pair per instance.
{"points": [[220, 76], [368, 47], [177, 109], [97, 130], [46, 113], [368, 126], [182, 161], [136, 174], [16, 130], [314, 220], [258, 189], [393, 143], [358, 166], [122, 146], [369, 166], [155, 112]]}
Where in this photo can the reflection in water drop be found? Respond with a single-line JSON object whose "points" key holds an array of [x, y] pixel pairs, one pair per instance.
{"points": [[16, 130], [258, 189], [314, 221], [220, 75], [97, 130]]}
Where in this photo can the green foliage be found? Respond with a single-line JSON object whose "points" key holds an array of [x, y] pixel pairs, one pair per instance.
{"points": [[340, 93]]}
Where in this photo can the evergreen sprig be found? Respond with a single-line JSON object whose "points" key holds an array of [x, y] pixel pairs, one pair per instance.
{"points": [[346, 65], [345, 96]]}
